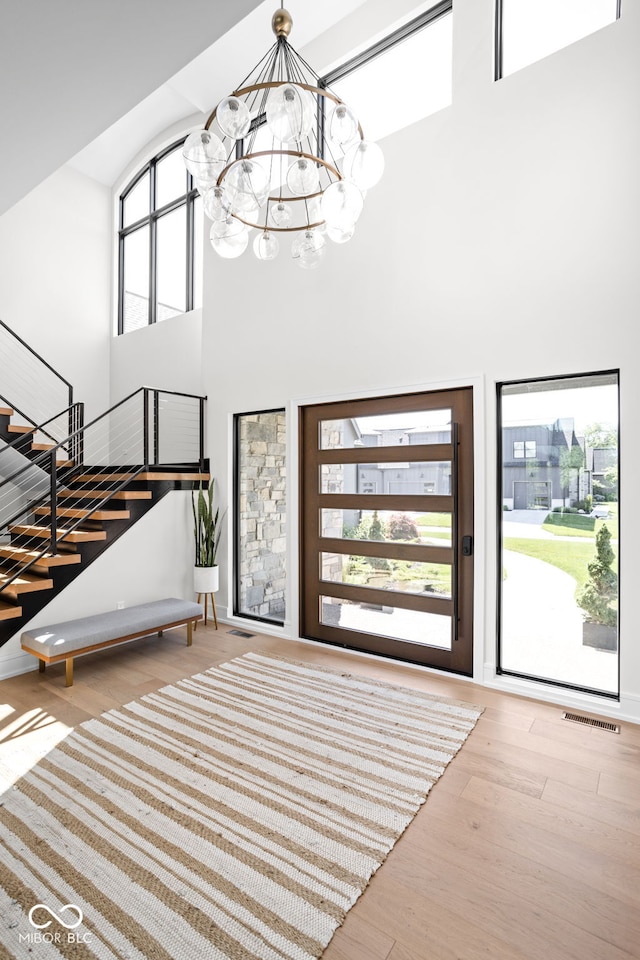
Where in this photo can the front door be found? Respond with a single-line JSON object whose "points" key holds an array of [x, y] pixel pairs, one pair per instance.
{"points": [[387, 526]]}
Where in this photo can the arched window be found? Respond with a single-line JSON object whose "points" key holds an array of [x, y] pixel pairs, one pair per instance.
{"points": [[160, 264]]}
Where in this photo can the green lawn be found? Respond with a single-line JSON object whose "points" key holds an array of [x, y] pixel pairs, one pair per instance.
{"points": [[434, 520], [570, 557], [579, 525]]}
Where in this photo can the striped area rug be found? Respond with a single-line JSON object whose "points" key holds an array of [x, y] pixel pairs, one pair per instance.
{"points": [[237, 814]]}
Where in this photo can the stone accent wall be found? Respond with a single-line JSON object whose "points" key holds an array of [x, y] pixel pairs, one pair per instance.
{"points": [[262, 479]]}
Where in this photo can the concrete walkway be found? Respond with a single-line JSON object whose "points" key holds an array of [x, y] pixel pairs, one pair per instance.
{"points": [[542, 627]]}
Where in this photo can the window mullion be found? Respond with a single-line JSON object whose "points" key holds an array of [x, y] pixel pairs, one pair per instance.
{"points": [[189, 278], [153, 247]]}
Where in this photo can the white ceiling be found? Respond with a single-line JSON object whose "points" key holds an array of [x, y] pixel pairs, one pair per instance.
{"points": [[93, 83], [71, 68]]}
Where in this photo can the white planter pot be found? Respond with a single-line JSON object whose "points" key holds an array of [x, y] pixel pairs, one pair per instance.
{"points": [[206, 579]]}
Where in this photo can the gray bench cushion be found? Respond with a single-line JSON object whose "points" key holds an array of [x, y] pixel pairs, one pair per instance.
{"points": [[60, 638]]}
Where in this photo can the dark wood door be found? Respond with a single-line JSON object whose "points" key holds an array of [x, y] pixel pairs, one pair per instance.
{"points": [[387, 526]]}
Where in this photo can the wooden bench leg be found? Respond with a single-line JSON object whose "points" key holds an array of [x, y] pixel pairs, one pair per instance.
{"points": [[69, 672], [190, 633], [213, 606], [41, 666]]}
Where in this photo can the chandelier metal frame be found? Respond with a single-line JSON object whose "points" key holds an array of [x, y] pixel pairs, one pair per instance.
{"points": [[328, 149]]}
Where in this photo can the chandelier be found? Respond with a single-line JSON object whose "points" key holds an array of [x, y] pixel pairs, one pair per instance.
{"points": [[283, 156]]}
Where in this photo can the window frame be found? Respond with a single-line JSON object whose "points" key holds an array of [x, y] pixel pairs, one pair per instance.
{"points": [[376, 50], [188, 199], [500, 464], [498, 73], [382, 46], [236, 520]]}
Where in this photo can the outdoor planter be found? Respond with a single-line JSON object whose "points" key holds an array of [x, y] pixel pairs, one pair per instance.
{"points": [[599, 635]]}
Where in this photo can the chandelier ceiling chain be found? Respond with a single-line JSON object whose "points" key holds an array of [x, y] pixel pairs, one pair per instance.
{"points": [[282, 154]]}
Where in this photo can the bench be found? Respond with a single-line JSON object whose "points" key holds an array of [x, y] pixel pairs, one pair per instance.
{"points": [[64, 641]]}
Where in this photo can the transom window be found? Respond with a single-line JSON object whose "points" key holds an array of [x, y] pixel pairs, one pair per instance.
{"points": [[401, 79], [528, 30], [160, 262]]}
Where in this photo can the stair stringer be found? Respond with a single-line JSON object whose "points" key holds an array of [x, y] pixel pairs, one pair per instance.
{"points": [[151, 559]]}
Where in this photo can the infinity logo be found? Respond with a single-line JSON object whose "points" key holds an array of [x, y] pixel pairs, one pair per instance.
{"points": [[67, 906]]}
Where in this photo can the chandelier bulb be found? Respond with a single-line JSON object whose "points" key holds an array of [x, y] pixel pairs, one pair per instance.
{"points": [[281, 23]]}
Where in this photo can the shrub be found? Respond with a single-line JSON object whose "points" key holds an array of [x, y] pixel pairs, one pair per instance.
{"points": [[402, 527], [376, 530], [601, 589]]}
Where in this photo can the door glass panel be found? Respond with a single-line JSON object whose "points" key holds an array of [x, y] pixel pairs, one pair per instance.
{"points": [[379, 573], [415, 596], [430, 629], [433, 529], [559, 609], [387, 430], [406, 478]]}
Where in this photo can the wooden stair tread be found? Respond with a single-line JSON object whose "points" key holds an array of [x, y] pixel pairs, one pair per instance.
{"points": [[6, 412], [169, 475], [8, 611], [25, 583], [147, 475], [22, 555], [77, 513], [100, 494], [75, 536], [42, 446], [19, 428]]}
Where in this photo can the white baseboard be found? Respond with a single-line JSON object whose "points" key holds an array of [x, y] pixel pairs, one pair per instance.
{"points": [[626, 708], [16, 664]]}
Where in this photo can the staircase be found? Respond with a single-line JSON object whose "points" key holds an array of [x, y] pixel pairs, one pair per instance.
{"points": [[69, 490]]}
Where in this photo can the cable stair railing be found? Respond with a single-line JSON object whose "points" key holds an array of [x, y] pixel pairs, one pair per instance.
{"points": [[30, 386], [95, 489]]}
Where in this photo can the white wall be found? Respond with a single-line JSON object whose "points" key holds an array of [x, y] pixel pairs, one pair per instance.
{"points": [[501, 244], [55, 290], [151, 561], [167, 355]]}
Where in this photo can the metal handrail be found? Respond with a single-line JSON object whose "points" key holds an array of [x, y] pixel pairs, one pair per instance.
{"points": [[41, 359], [76, 410], [54, 540], [76, 439]]}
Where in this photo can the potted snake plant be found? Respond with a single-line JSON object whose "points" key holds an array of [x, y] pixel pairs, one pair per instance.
{"points": [[207, 529]]}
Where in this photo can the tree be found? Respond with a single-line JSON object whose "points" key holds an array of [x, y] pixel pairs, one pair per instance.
{"points": [[376, 532], [402, 527], [571, 461], [601, 437], [601, 589]]}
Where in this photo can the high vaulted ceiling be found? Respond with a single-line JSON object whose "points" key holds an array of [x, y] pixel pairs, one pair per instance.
{"points": [[96, 81], [71, 68]]}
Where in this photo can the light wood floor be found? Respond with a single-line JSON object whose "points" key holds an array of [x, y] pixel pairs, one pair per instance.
{"points": [[528, 847]]}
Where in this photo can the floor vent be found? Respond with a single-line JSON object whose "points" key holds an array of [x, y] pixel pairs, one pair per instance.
{"points": [[241, 633], [592, 722]]}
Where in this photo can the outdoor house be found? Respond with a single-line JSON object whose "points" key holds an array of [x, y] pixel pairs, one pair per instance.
{"points": [[545, 466]]}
